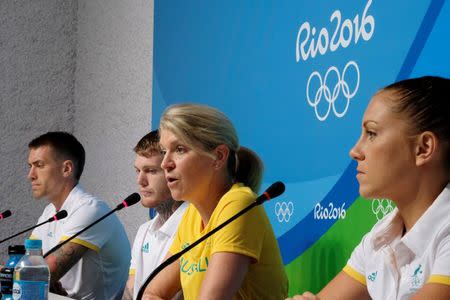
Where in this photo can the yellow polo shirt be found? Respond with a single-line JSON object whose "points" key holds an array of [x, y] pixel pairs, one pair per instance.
{"points": [[251, 235]]}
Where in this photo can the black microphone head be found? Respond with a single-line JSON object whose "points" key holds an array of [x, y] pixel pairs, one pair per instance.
{"points": [[130, 200], [61, 214], [58, 216], [275, 190], [5, 214]]}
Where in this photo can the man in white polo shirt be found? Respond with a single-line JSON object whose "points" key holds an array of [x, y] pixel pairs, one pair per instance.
{"points": [[154, 237], [93, 265]]}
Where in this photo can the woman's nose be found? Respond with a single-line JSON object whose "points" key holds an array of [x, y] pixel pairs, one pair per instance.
{"points": [[355, 152], [167, 162]]}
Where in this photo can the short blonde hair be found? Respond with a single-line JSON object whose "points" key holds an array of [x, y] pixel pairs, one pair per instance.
{"points": [[204, 128]]}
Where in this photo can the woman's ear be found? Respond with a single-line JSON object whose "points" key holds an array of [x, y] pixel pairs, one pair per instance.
{"points": [[221, 154], [426, 147]]}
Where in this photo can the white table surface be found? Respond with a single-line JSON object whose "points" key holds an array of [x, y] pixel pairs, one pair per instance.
{"points": [[52, 296]]}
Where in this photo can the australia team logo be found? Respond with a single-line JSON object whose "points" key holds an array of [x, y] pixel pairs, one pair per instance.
{"points": [[416, 278]]}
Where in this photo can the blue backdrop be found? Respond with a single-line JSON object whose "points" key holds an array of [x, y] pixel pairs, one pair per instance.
{"points": [[295, 78]]}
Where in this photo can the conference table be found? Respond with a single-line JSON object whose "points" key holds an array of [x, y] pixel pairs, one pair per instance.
{"points": [[52, 296]]}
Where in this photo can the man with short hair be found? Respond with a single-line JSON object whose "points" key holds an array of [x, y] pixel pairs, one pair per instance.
{"points": [[154, 237], [93, 265]]}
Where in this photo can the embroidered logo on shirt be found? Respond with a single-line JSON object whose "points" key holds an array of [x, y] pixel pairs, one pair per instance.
{"points": [[416, 278], [50, 234], [372, 276], [193, 267], [145, 248]]}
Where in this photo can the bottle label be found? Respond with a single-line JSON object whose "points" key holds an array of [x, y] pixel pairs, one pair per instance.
{"points": [[30, 290], [6, 280]]}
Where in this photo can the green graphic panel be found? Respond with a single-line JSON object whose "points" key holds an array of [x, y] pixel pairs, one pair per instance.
{"points": [[321, 262]]}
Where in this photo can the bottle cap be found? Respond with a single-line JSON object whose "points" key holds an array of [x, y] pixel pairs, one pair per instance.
{"points": [[16, 249], [33, 244]]}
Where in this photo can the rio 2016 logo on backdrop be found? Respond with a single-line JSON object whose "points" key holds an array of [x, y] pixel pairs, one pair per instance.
{"points": [[345, 32], [327, 96], [381, 207], [284, 211]]}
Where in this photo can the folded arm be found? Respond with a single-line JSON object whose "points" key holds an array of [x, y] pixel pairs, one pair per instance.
{"points": [[341, 287], [166, 284], [225, 275], [435, 291], [129, 288], [61, 261]]}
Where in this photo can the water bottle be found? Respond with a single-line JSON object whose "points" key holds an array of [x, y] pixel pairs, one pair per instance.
{"points": [[31, 274], [6, 274]]}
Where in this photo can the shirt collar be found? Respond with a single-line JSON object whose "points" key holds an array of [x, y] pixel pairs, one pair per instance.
{"points": [[419, 237], [436, 217], [70, 200], [387, 230], [171, 225]]}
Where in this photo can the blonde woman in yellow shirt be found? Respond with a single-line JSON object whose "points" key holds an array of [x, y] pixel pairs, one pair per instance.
{"points": [[205, 166]]}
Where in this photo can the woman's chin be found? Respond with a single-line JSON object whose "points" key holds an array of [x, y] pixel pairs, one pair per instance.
{"points": [[371, 194], [367, 193], [176, 196]]}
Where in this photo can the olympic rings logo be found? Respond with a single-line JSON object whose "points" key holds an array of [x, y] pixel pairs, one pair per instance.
{"points": [[284, 211], [381, 207], [331, 96]]}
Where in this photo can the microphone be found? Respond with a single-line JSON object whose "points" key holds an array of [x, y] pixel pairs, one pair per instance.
{"points": [[275, 190], [58, 216], [5, 214], [130, 200]]}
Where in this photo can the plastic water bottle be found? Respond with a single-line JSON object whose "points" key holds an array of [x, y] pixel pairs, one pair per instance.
{"points": [[31, 274], [6, 274]]}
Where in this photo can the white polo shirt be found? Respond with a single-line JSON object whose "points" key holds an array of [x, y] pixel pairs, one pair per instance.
{"points": [[102, 271], [395, 267], [151, 245]]}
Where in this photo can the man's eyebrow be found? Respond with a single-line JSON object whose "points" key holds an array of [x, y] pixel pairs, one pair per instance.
{"points": [[34, 162], [151, 166]]}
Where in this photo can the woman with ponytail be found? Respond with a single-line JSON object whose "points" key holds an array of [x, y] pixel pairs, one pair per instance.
{"points": [[205, 166]]}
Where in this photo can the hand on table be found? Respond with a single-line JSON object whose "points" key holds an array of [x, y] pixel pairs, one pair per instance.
{"points": [[304, 296]]}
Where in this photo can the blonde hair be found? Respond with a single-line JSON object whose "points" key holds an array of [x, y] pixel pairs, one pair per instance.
{"points": [[204, 128]]}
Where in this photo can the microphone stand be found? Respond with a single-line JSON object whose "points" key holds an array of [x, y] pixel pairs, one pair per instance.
{"points": [[78, 233], [130, 200], [23, 231]]}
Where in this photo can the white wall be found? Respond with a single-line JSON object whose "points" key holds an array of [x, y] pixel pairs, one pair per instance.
{"points": [[80, 66], [37, 65], [113, 96]]}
